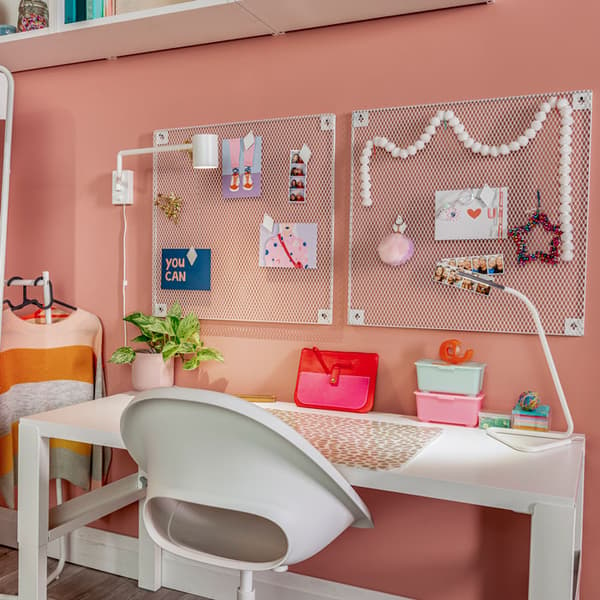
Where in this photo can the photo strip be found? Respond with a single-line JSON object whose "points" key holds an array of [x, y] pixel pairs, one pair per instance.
{"points": [[481, 264], [297, 188], [447, 272]]}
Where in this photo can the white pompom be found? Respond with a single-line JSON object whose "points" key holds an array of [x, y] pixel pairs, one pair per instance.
{"points": [[540, 116], [536, 125], [564, 169], [567, 228], [419, 145], [566, 256], [390, 146], [566, 112], [566, 190], [530, 133], [567, 120], [566, 149], [364, 169], [396, 152], [404, 153], [468, 143], [369, 144], [383, 141], [412, 150], [565, 209], [504, 150], [514, 146], [448, 115], [546, 107], [435, 121], [364, 160], [365, 194], [565, 199], [562, 103], [365, 185], [462, 136], [476, 147], [568, 247], [459, 128], [566, 130], [485, 150], [567, 236], [564, 179], [523, 141], [430, 129], [426, 138], [564, 218], [494, 151], [367, 201], [367, 152], [565, 159], [453, 122], [565, 139], [552, 101]]}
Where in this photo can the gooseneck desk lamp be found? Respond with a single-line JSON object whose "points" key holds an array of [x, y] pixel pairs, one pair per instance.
{"points": [[514, 437]]}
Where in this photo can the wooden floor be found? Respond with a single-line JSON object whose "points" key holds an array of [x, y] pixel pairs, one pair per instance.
{"points": [[79, 583]]}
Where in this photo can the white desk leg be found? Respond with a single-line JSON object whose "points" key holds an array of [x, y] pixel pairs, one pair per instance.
{"points": [[149, 555], [552, 552], [34, 459]]}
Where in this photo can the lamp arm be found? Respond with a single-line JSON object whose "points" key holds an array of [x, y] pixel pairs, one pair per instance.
{"points": [[151, 150], [549, 360]]}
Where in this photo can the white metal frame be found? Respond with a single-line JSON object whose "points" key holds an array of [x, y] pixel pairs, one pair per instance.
{"points": [[10, 94]]}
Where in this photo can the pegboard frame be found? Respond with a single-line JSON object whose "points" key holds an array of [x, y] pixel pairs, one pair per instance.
{"points": [[322, 312], [571, 324]]}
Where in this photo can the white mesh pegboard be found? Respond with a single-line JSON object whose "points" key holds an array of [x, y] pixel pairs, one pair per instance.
{"points": [[240, 289], [407, 296]]}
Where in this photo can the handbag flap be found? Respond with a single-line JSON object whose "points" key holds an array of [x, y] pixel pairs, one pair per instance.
{"points": [[350, 393]]}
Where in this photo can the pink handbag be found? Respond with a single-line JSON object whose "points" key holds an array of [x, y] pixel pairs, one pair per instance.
{"points": [[336, 380]]}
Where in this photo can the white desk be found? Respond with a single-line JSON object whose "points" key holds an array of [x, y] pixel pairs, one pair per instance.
{"points": [[462, 465]]}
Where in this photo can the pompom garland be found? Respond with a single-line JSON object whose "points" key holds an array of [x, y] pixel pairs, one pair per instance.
{"points": [[448, 117]]}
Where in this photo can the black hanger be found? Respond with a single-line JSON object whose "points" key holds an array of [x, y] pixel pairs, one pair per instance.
{"points": [[32, 301]]}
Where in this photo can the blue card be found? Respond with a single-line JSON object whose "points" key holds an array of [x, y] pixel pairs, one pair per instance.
{"points": [[185, 269]]}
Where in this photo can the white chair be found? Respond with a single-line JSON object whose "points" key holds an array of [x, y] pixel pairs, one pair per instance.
{"points": [[229, 484]]}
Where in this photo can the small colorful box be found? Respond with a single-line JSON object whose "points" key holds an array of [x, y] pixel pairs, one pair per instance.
{"points": [[534, 420], [440, 376], [489, 419], [454, 409]]}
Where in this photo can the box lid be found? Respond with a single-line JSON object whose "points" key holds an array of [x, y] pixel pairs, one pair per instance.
{"points": [[440, 364]]}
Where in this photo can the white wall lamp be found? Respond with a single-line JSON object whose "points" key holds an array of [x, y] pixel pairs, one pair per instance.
{"points": [[205, 155], [510, 437]]}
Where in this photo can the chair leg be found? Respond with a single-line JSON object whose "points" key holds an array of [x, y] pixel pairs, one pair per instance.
{"points": [[246, 589]]}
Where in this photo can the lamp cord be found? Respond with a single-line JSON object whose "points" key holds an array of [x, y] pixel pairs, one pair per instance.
{"points": [[124, 275]]}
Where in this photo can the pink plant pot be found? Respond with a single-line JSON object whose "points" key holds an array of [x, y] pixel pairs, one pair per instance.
{"points": [[149, 371]]}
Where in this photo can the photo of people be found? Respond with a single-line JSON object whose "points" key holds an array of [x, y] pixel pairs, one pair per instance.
{"points": [[297, 193], [489, 264], [495, 264], [452, 275]]}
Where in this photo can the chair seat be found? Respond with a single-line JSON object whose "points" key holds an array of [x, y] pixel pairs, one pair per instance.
{"points": [[217, 536]]}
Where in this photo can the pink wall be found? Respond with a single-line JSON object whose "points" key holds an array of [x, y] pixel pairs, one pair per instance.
{"points": [[70, 122]]}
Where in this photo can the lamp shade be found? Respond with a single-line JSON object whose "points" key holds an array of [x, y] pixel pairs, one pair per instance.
{"points": [[205, 150]]}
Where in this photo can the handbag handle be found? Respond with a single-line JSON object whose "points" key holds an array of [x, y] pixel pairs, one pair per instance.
{"points": [[334, 371]]}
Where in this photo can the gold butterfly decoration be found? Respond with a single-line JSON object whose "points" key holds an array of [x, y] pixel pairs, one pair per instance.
{"points": [[170, 204]]}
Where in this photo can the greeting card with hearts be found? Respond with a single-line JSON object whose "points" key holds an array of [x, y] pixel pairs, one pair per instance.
{"points": [[471, 214]]}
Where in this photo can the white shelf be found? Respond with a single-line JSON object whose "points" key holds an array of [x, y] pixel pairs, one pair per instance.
{"points": [[186, 24]]}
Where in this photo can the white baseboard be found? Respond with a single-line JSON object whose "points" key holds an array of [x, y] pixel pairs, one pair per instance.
{"points": [[114, 553]]}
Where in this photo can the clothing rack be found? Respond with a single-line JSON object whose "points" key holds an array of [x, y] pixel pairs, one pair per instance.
{"points": [[7, 94]]}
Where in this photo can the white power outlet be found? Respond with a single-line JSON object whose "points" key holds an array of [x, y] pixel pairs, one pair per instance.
{"points": [[582, 101], [122, 188]]}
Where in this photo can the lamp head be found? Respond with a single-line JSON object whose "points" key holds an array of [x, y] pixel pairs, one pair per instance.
{"points": [[205, 151]]}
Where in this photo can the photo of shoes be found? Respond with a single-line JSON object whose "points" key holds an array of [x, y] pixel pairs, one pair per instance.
{"points": [[241, 167]]}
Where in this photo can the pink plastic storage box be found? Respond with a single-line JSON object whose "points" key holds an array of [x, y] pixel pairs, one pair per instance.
{"points": [[449, 408]]}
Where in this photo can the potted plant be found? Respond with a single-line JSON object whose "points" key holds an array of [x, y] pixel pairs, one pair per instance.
{"points": [[166, 337]]}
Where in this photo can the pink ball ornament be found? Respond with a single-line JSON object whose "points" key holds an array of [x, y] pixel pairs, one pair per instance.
{"points": [[396, 249]]}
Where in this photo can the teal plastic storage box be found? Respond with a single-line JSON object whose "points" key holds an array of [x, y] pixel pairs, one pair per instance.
{"points": [[440, 376]]}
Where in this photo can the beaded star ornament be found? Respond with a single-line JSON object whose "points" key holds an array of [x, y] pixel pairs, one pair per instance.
{"points": [[519, 235]]}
